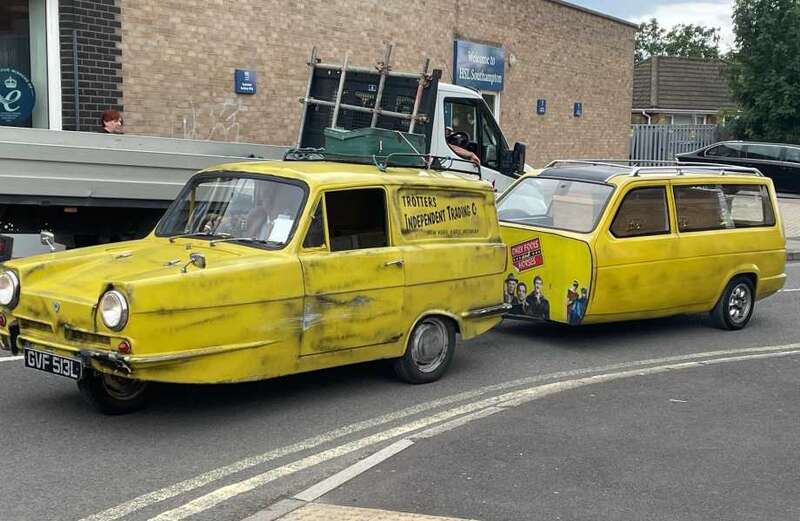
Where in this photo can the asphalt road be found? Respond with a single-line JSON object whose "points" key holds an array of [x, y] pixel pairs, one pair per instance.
{"points": [[558, 444]]}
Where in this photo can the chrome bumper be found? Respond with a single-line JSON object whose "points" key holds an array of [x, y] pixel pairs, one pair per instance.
{"points": [[487, 312]]}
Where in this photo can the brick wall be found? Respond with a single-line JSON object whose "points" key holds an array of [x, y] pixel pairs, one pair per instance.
{"points": [[96, 26], [180, 56]]}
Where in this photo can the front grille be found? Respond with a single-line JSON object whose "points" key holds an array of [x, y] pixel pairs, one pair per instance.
{"points": [[25, 325], [80, 337]]}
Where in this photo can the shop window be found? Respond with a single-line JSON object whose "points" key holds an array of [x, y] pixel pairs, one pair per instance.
{"points": [[357, 219], [23, 63], [642, 212]]}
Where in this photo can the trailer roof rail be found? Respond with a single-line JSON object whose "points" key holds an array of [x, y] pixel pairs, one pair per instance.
{"points": [[705, 168], [657, 167]]}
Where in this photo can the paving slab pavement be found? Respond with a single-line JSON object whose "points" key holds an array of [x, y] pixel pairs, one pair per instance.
{"points": [[790, 214]]}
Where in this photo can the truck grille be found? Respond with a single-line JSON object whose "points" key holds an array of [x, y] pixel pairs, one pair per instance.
{"points": [[26, 325], [80, 337]]}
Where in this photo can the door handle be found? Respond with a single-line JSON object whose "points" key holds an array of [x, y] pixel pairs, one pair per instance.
{"points": [[398, 263]]}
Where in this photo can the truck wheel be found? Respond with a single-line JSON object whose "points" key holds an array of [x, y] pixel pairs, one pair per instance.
{"points": [[735, 306], [112, 394], [430, 349]]}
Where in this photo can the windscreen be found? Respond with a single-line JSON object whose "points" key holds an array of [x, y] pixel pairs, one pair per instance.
{"points": [[260, 211], [554, 203]]}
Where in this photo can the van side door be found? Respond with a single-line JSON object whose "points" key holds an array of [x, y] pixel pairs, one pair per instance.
{"points": [[354, 276]]}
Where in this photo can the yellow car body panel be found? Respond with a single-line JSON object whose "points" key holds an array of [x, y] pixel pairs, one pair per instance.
{"points": [[253, 313], [647, 276]]}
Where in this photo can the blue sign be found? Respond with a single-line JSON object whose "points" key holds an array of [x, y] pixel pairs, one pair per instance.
{"points": [[245, 81], [17, 97], [577, 110], [541, 106], [478, 66]]}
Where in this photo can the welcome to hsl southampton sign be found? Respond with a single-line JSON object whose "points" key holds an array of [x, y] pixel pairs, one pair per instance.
{"points": [[478, 66]]}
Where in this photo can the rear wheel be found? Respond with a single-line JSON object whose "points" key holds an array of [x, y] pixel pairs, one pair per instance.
{"points": [[735, 306], [430, 349], [111, 394]]}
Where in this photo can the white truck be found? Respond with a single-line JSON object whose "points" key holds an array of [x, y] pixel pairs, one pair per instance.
{"points": [[90, 188]]}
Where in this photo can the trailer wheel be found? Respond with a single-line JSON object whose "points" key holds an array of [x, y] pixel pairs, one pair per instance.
{"points": [[735, 306], [111, 394]]}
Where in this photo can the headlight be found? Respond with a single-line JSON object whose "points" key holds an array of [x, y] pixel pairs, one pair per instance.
{"points": [[114, 310], [9, 288]]}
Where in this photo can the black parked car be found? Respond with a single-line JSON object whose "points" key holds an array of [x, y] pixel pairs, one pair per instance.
{"points": [[777, 161]]}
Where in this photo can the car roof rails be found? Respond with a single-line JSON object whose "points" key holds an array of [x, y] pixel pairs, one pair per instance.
{"points": [[658, 166]]}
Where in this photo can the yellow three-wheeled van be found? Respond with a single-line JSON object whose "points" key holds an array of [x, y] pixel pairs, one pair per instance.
{"points": [[265, 269]]}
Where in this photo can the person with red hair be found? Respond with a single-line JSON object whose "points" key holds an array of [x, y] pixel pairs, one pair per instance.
{"points": [[111, 122]]}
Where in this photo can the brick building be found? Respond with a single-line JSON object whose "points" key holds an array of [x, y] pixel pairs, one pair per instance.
{"points": [[671, 90], [169, 64]]}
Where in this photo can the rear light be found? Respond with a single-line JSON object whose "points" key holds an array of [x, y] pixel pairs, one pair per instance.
{"points": [[2, 320], [124, 348]]}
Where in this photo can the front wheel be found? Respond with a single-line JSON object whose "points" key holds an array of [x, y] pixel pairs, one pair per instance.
{"points": [[735, 306], [430, 349], [111, 394]]}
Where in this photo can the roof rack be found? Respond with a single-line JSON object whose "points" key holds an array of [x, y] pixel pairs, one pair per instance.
{"points": [[658, 166], [706, 168], [382, 162]]}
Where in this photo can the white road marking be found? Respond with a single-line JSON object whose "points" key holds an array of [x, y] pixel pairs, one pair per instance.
{"points": [[511, 399], [338, 479], [789, 290], [211, 476], [10, 358]]}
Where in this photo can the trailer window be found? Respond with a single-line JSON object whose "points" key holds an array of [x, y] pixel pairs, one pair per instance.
{"points": [[555, 203], [720, 207]]}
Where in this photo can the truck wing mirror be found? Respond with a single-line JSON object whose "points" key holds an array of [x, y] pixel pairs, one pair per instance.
{"points": [[48, 239], [519, 158]]}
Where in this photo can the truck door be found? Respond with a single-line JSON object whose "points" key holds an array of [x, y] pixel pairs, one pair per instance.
{"points": [[354, 277], [474, 119]]}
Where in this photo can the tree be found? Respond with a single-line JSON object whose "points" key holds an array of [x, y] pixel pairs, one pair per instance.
{"points": [[764, 73], [692, 41]]}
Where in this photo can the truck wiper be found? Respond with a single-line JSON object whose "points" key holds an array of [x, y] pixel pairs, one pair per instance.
{"points": [[196, 234], [245, 239]]}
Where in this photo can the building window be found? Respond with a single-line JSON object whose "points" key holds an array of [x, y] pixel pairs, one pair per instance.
{"points": [[24, 81]]}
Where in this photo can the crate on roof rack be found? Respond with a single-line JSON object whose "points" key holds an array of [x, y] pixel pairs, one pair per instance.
{"points": [[376, 142]]}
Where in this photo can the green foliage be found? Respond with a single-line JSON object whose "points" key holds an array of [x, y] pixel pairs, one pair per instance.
{"points": [[691, 41], [764, 73]]}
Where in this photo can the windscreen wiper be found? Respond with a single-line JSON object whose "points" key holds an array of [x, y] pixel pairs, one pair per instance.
{"points": [[245, 239], [197, 234]]}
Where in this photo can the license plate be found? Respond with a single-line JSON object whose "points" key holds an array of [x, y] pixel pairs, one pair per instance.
{"points": [[53, 364]]}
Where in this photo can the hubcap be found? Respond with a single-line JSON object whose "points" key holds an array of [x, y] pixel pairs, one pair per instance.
{"points": [[740, 303], [122, 388], [429, 345]]}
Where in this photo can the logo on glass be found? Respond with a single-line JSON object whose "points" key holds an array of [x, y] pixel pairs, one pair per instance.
{"points": [[17, 97]]}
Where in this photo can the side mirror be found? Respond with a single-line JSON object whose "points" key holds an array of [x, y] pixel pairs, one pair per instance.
{"points": [[48, 239], [519, 158]]}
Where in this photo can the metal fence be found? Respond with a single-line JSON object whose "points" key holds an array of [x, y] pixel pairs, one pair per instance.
{"points": [[662, 142]]}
